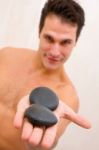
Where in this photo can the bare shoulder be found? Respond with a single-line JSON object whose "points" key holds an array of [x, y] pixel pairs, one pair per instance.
{"points": [[12, 49], [12, 59], [12, 52], [68, 94]]}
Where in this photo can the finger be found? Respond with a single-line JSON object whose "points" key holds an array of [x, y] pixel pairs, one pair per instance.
{"points": [[74, 117], [81, 121], [22, 106], [36, 136], [49, 137], [27, 130]]}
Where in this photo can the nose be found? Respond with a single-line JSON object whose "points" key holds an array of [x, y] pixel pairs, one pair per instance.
{"points": [[55, 51]]}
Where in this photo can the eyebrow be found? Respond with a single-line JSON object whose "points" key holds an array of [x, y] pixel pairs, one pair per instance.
{"points": [[66, 41], [48, 35], [62, 40]]}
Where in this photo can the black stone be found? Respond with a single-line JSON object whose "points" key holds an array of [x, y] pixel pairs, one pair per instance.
{"points": [[40, 116], [45, 97]]}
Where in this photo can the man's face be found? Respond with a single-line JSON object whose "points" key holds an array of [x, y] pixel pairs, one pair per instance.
{"points": [[57, 40]]}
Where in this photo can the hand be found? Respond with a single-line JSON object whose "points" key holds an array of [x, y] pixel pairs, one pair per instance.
{"points": [[41, 136]]}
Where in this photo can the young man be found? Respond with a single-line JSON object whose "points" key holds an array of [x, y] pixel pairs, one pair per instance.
{"points": [[22, 70]]}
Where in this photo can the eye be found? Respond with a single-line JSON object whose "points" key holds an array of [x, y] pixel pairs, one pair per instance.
{"points": [[49, 38], [66, 42]]}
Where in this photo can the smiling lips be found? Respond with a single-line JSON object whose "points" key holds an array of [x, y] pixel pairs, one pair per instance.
{"points": [[53, 59]]}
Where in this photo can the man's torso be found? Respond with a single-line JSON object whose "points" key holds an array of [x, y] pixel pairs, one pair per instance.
{"points": [[18, 77]]}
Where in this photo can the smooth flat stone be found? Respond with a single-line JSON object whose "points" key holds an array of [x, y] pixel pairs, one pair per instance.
{"points": [[45, 97], [40, 115]]}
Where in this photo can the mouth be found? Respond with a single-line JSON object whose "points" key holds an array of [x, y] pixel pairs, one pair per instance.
{"points": [[53, 59]]}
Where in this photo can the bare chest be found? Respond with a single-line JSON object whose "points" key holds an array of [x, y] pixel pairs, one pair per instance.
{"points": [[16, 84]]}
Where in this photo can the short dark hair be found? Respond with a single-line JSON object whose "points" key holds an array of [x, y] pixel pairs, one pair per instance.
{"points": [[68, 10]]}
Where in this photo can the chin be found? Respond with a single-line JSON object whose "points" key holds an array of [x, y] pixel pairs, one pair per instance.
{"points": [[51, 67]]}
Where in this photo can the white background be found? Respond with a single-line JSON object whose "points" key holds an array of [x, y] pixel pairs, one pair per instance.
{"points": [[19, 27]]}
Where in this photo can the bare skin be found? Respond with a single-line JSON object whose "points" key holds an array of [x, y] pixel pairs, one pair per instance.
{"points": [[22, 70], [24, 80]]}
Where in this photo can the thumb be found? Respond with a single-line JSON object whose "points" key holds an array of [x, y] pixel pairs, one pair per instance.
{"points": [[21, 107], [66, 112], [77, 119]]}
